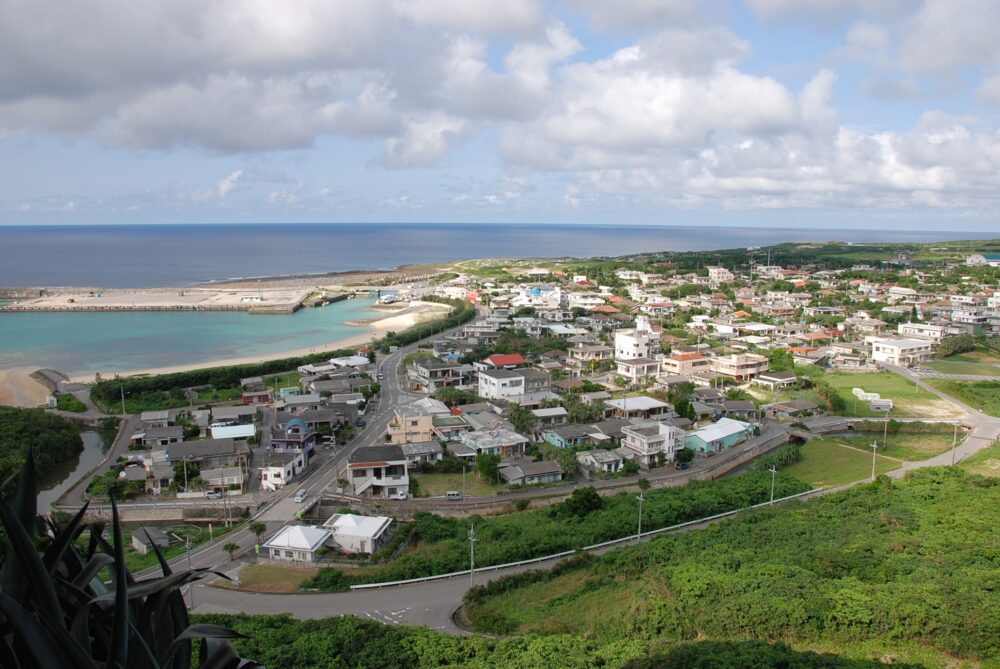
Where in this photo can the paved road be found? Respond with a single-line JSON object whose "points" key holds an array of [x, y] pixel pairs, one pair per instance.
{"points": [[283, 507]]}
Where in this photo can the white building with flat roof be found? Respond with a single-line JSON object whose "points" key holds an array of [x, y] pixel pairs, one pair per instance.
{"points": [[902, 352], [638, 342]]}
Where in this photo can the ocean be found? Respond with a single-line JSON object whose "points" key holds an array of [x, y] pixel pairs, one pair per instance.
{"points": [[146, 256]]}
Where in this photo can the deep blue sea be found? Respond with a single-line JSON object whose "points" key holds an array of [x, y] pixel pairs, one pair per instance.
{"points": [[144, 256]]}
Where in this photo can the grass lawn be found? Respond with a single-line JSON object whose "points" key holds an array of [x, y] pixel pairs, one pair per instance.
{"points": [[220, 394], [272, 577], [828, 462], [952, 366], [438, 484], [288, 380], [981, 354], [909, 401], [136, 561], [904, 446], [986, 462], [70, 403], [982, 395]]}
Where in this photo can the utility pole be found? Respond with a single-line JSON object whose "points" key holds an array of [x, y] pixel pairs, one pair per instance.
{"points": [[187, 545], [638, 534], [874, 447], [472, 555], [121, 389], [954, 443], [774, 471], [185, 463], [885, 430]]}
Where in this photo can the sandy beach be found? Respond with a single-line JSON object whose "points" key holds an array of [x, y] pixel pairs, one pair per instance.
{"points": [[18, 389], [404, 316]]}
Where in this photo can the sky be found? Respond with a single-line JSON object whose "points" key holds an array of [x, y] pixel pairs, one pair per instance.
{"points": [[800, 113]]}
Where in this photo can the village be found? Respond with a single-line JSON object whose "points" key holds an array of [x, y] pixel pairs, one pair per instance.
{"points": [[559, 381]]}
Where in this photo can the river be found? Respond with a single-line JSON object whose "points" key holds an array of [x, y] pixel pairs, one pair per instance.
{"points": [[56, 482]]}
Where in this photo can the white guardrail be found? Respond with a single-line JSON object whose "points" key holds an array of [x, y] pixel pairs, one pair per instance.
{"points": [[613, 542]]}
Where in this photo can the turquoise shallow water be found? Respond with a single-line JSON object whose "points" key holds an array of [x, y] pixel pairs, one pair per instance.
{"points": [[82, 343]]}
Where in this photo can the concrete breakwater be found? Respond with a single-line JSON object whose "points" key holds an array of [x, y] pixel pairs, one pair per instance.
{"points": [[264, 301]]}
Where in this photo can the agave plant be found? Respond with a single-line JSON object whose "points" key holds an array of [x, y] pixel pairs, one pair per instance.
{"points": [[65, 607]]}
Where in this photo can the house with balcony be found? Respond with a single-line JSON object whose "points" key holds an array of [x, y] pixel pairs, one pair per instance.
{"points": [[930, 331], [684, 363], [652, 444], [586, 356], [739, 366], [426, 375], [378, 471], [294, 434], [638, 369]]}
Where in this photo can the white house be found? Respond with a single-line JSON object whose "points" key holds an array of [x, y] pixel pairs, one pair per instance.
{"points": [[358, 534], [297, 543], [921, 331], [903, 352], [280, 467], [498, 384], [601, 460], [638, 342], [378, 471]]}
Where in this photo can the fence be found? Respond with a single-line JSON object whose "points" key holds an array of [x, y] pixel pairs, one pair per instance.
{"points": [[607, 544]]}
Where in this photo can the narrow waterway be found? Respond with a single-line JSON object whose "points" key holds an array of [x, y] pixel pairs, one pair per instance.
{"points": [[54, 484]]}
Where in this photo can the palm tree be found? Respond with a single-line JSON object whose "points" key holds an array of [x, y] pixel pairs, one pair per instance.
{"points": [[258, 528], [231, 548]]}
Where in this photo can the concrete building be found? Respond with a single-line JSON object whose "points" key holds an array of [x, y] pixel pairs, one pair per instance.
{"points": [[499, 384], [638, 342], [684, 363], [739, 366], [424, 451], [652, 444], [644, 407], [601, 460], [410, 425], [902, 352], [378, 471], [718, 276], [929, 331], [506, 443], [638, 369], [277, 469]]}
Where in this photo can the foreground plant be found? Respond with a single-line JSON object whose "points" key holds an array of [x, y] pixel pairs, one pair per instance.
{"points": [[62, 607]]}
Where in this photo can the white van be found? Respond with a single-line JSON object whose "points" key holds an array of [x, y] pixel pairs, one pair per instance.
{"points": [[300, 496], [453, 495]]}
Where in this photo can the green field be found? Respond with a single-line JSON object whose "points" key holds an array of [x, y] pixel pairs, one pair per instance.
{"points": [[432, 485], [829, 462], [904, 446], [952, 366], [137, 561], [909, 400], [70, 403], [982, 395]]}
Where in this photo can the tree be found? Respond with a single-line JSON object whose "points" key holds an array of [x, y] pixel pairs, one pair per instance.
{"points": [[582, 502], [488, 466], [684, 456], [258, 528], [232, 549], [643, 484], [621, 381], [523, 420]]}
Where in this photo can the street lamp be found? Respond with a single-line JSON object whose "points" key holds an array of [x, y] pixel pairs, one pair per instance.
{"points": [[472, 554], [638, 534], [774, 471]]}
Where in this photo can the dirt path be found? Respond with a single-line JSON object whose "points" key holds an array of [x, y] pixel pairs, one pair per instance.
{"points": [[18, 389]]}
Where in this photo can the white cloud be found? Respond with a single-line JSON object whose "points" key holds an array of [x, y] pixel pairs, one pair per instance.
{"points": [[643, 14], [947, 34], [424, 141], [229, 183]]}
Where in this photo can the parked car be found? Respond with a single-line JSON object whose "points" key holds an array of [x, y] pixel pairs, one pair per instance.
{"points": [[361, 422], [213, 494], [453, 495], [399, 495]]}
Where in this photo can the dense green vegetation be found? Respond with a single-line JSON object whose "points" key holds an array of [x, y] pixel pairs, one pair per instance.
{"points": [[907, 569], [52, 440], [580, 521], [166, 391], [279, 642], [982, 395], [70, 403]]}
